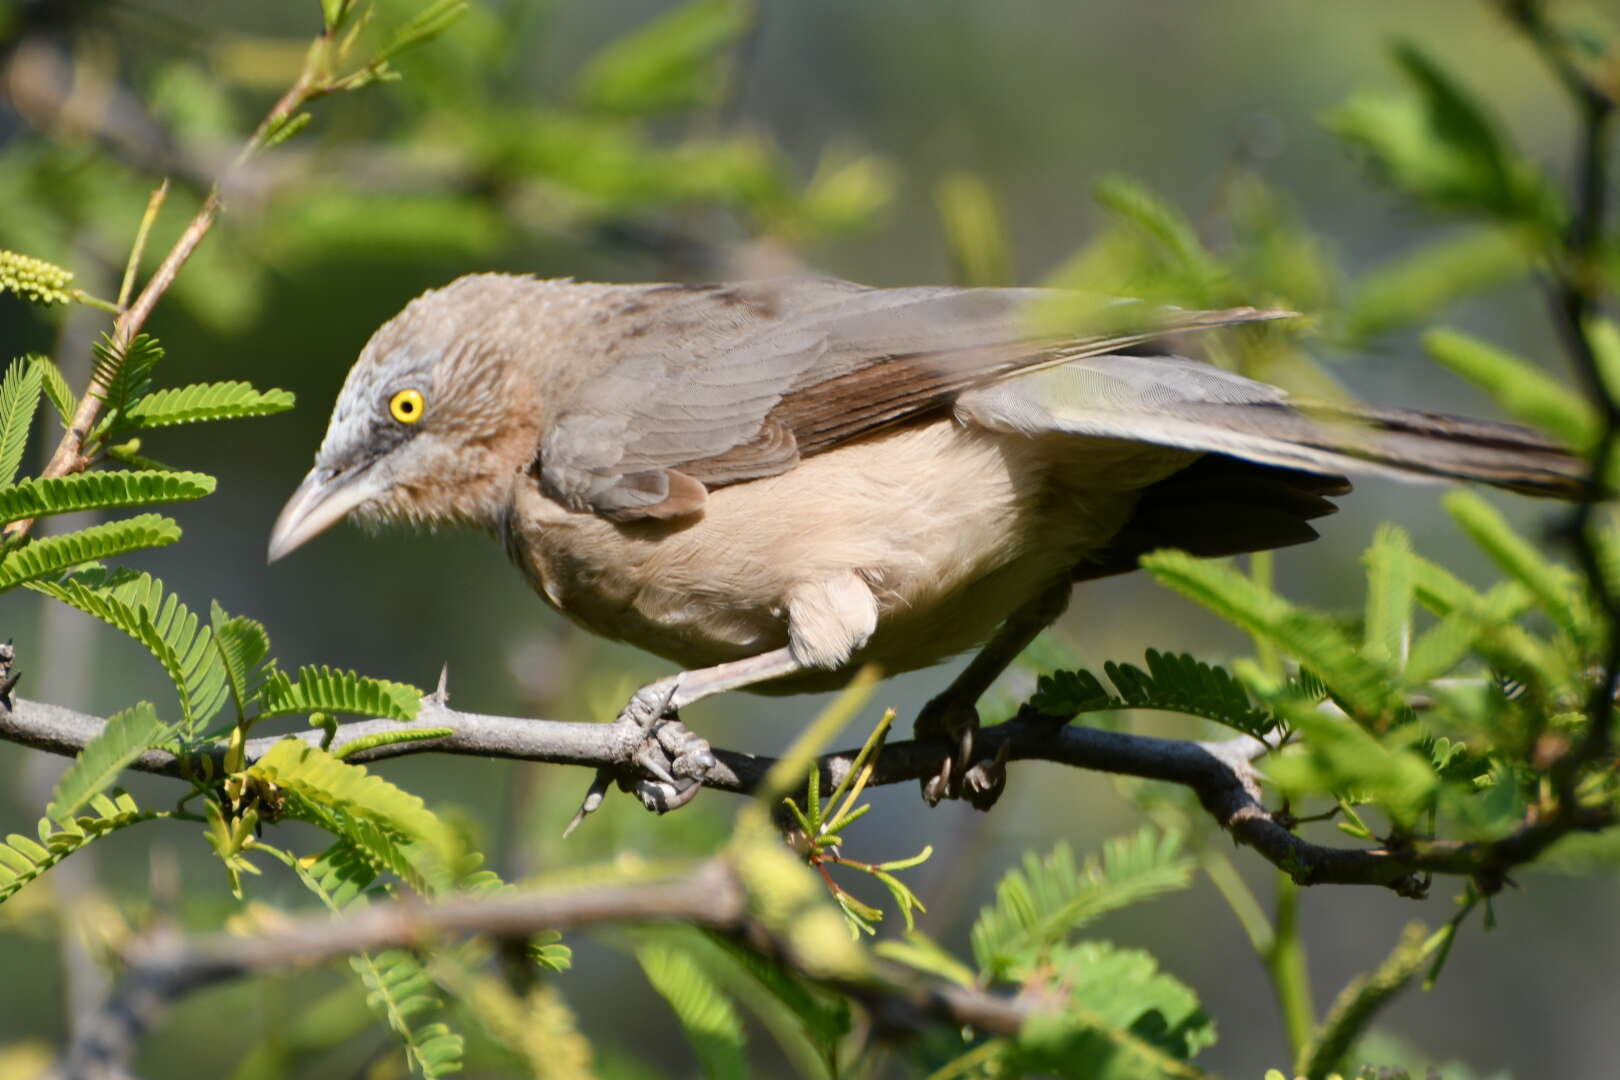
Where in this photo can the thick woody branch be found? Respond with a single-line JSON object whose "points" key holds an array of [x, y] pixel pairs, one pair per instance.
{"points": [[164, 968], [1220, 773]]}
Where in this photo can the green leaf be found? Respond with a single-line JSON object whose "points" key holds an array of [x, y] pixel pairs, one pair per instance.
{"points": [[125, 737], [389, 738], [809, 1023], [205, 401], [919, 951], [1041, 904], [22, 860], [674, 61], [56, 388], [243, 645], [318, 777], [1444, 148], [1525, 392], [128, 453], [974, 231], [1441, 647], [1554, 587], [1604, 337], [1279, 261], [427, 24], [707, 1016], [1510, 648], [40, 496], [324, 689], [285, 128], [1121, 1018], [54, 554], [339, 875], [334, 13], [398, 987], [136, 604], [380, 847], [1338, 755], [845, 194], [1361, 685], [124, 375], [1172, 682], [1388, 623], [19, 397], [1443, 592], [1195, 271]]}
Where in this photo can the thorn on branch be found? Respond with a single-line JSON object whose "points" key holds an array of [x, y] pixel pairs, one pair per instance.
{"points": [[8, 678]]}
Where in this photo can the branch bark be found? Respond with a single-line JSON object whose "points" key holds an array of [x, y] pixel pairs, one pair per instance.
{"points": [[165, 967], [1221, 774]]}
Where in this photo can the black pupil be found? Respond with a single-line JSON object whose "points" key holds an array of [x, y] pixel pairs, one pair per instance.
{"points": [[407, 406]]}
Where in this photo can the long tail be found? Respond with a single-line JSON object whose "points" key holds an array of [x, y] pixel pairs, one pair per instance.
{"points": [[1172, 401]]}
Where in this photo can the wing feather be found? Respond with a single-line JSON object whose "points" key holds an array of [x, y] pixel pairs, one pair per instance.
{"points": [[726, 383]]}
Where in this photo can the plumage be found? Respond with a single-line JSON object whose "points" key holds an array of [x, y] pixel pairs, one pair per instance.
{"points": [[771, 483]]}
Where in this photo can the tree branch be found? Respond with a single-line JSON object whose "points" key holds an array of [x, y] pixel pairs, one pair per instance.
{"points": [[1572, 297], [162, 968], [1221, 774]]}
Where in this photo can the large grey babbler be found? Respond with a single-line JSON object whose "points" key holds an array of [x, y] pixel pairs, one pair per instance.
{"points": [[774, 483]]}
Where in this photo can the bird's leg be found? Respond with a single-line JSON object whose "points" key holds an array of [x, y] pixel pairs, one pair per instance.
{"points": [[671, 761], [674, 692], [953, 714]]}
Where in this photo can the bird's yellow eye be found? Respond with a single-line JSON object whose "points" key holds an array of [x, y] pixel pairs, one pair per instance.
{"points": [[406, 406]]}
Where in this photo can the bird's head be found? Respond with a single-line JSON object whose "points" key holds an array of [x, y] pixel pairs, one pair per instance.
{"points": [[434, 423]]}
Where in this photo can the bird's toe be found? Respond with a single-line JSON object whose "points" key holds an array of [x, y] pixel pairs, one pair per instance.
{"points": [[668, 768]]}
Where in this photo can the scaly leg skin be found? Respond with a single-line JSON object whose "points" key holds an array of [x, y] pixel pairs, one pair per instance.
{"points": [[953, 714], [671, 761]]}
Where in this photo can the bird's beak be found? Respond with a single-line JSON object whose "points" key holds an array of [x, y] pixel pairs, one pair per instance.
{"points": [[321, 501]]}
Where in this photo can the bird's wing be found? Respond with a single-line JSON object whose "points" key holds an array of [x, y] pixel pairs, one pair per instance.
{"points": [[716, 384]]}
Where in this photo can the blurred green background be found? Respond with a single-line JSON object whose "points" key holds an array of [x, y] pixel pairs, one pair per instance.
{"points": [[826, 137]]}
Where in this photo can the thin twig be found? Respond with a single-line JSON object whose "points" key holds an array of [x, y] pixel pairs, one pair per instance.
{"points": [[69, 454]]}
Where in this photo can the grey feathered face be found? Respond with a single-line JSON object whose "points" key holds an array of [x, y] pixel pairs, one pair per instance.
{"points": [[428, 428]]}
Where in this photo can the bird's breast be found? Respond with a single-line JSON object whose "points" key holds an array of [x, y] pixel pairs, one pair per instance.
{"points": [[951, 527]]}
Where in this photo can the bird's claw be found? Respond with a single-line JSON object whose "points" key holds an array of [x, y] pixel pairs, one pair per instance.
{"points": [[959, 777], [984, 781], [678, 761], [666, 768]]}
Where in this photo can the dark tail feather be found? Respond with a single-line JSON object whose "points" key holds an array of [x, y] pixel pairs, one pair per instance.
{"points": [[1219, 506], [1452, 447]]}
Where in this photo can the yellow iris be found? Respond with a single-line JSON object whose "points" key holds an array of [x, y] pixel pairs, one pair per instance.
{"points": [[406, 406]]}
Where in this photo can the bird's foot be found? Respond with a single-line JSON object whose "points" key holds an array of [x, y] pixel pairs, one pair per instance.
{"points": [[666, 767], [651, 704], [959, 776]]}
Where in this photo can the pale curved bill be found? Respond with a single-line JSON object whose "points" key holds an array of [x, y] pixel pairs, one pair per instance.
{"points": [[320, 502]]}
